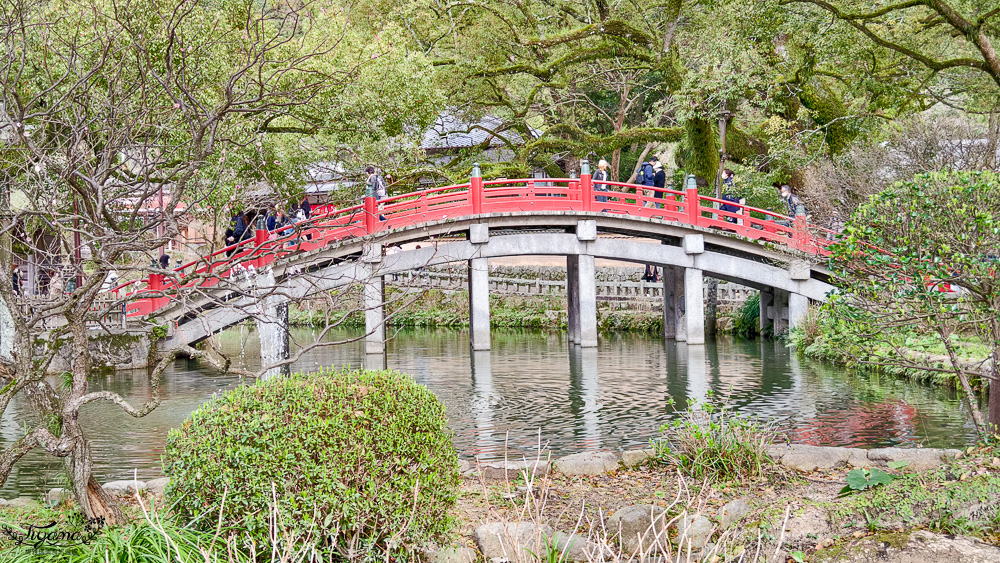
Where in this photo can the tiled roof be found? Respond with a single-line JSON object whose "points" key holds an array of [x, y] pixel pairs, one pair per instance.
{"points": [[450, 131]]}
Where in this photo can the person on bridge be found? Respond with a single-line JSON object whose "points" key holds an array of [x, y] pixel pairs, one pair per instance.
{"points": [[646, 175], [728, 178], [601, 175], [164, 261], [659, 183], [276, 222], [237, 231], [795, 205], [377, 186], [306, 207]]}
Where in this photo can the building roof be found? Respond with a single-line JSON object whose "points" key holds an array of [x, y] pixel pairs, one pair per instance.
{"points": [[450, 131]]}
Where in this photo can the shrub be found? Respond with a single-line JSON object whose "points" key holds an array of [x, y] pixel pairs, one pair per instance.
{"points": [[708, 440], [746, 320], [359, 461]]}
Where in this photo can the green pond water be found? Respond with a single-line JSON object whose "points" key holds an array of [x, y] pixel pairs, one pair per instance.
{"points": [[534, 390]]}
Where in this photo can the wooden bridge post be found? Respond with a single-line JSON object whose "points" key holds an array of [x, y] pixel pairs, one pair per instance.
{"points": [[691, 203], [800, 233], [371, 210], [260, 237], [476, 190], [586, 186], [155, 284]]}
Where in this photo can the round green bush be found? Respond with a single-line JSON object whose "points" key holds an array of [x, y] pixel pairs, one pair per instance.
{"points": [[358, 460]]}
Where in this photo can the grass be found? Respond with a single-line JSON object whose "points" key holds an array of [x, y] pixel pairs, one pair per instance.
{"points": [[150, 540], [710, 442], [956, 498], [825, 337]]}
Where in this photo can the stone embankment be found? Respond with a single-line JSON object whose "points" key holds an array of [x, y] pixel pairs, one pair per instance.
{"points": [[648, 528], [800, 457]]}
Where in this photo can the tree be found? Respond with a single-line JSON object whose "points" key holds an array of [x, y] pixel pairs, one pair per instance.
{"points": [[943, 36], [119, 122], [905, 246]]}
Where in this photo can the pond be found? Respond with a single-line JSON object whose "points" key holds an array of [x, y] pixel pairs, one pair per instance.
{"points": [[534, 390]]}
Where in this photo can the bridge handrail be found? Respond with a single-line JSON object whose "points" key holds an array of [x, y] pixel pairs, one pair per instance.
{"points": [[485, 196]]}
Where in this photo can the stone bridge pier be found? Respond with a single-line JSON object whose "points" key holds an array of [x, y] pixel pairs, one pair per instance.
{"points": [[683, 300]]}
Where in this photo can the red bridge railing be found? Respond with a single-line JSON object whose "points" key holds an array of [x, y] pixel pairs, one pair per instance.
{"points": [[477, 197]]}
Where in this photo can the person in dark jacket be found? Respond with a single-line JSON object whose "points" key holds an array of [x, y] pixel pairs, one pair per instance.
{"points": [[659, 183], [306, 207], [237, 231], [164, 261], [727, 194], [795, 206]]}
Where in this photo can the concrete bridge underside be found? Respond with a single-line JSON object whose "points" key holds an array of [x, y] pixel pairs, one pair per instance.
{"points": [[787, 280]]}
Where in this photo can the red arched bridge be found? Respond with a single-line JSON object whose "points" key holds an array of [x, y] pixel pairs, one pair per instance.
{"points": [[688, 234]]}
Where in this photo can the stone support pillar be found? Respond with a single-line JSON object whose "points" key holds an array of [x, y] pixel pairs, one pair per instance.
{"points": [[779, 311], [374, 303], [798, 308], [573, 298], [374, 290], [766, 302], [694, 306], [670, 302], [680, 310], [479, 304], [586, 287], [272, 325], [481, 405]]}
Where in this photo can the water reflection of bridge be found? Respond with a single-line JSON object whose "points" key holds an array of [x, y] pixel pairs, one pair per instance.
{"points": [[693, 373], [617, 395]]}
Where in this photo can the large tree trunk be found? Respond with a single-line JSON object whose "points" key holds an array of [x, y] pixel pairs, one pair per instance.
{"points": [[93, 500]]}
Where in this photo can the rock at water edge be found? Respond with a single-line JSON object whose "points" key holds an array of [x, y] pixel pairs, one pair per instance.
{"points": [[634, 458], [587, 463], [58, 496], [124, 487], [158, 486]]}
